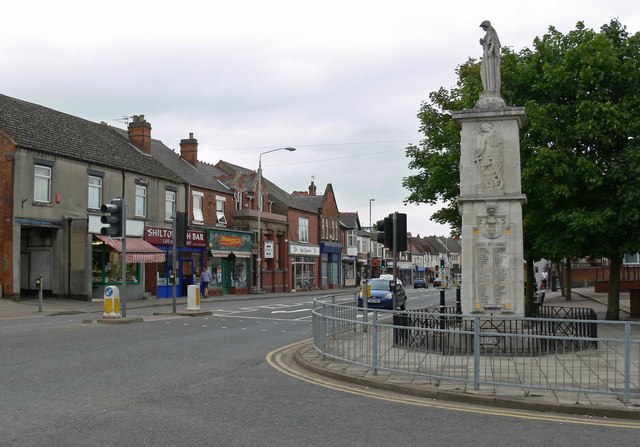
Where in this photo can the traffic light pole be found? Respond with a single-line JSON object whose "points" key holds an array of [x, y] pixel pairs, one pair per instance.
{"points": [[395, 260], [174, 258], [123, 295]]}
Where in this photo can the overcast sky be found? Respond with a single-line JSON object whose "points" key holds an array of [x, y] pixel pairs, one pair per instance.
{"points": [[340, 80]]}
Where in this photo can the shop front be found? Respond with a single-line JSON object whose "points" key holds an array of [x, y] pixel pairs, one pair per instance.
{"points": [[230, 261], [107, 264], [304, 266], [330, 255], [190, 260], [349, 271]]}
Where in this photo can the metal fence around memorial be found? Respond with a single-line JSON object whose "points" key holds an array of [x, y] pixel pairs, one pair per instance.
{"points": [[568, 350]]}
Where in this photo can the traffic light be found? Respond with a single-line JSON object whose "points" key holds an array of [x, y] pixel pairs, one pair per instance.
{"points": [[383, 264], [386, 228], [385, 235], [401, 232], [181, 229], [115, 218], [442, 263]]}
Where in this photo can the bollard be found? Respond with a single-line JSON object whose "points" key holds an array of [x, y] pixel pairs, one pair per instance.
{"points": [[111, 302], [193, 297], [39, 286]]}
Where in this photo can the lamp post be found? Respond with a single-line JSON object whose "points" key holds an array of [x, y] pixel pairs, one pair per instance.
{"points": [[259, 269], [370, 241], [370, 200]]}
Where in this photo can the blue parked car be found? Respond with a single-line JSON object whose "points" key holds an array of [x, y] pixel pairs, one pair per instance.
{"points": [[420, 283], [382, 295]]}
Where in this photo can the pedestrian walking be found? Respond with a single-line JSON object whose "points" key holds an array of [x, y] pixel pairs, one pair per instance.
{"points": [[545, 279], [205, 279]]}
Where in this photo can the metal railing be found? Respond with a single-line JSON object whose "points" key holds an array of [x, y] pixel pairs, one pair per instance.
{"points": [[562, 354]]}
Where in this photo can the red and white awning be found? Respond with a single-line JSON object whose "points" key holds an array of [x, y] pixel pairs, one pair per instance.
{"points": [[138, 250]]}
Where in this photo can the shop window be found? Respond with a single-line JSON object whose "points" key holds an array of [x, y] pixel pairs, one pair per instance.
{"points": [[106, 266]]}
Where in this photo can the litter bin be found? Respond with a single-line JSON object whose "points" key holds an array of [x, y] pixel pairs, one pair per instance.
{"points": [[634, 303]]}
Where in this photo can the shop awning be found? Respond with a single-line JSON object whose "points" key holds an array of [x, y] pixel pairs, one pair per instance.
{"points": [[138, 250], [224, 254]]}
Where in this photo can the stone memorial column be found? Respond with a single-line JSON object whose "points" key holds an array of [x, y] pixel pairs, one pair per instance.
{"points": [[491, 199]]}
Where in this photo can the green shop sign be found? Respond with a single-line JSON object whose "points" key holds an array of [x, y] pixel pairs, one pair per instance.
{"points": [[229, 240]]}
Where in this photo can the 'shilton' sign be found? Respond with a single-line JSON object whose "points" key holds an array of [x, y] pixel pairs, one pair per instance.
{"points": [[164, 236]]}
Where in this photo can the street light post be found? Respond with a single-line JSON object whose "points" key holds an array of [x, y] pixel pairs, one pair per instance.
{"points": [[370, 226], [259, 267], [370, 240]]}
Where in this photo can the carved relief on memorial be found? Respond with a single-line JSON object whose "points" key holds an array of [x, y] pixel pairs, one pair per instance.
{"points": [[490, 225], [488, 158]]}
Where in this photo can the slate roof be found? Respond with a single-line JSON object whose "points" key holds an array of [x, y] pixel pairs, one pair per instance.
{"points": [[350, 220], [48, 131], [314, 203], [274, 191], [203, 175], [435, 245]]}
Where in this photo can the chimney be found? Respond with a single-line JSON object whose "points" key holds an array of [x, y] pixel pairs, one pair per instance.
{"points": [[189, 150], [140, 133], [312, 189]]}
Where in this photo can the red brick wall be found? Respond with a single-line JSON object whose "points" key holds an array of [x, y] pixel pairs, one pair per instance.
{"points": [[7, 170]]}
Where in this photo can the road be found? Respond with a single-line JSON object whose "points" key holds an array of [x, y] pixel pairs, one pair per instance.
{"points": [[209, 381]]}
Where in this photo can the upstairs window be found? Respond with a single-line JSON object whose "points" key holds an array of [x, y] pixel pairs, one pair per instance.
{"points": [[220, 210], [303, 229], [352, 238], [169, 204], [141, 201], [197, 199], [95, 192], [42, 184]]}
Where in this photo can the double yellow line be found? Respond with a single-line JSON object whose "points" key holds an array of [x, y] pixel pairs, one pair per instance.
{"points": [[282, 360]]}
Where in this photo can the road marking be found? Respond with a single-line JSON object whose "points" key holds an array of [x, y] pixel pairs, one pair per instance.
{"points": [[290, 311], [276, 359]]}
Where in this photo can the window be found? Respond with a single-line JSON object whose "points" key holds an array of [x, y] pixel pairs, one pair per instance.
{"points": [[198, 199], [95, 192], [238, 200], [169, 204], [352, 238], [42, 184], [220, 210], [303, 229], [631, 258], [141, 201]]}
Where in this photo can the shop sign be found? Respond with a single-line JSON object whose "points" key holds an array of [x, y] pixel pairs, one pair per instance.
{"points": [[304, 250], [268, 249], [229, 240], [164, 236]]}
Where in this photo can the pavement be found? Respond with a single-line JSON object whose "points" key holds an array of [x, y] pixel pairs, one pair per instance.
{"points": [[307, 357]]}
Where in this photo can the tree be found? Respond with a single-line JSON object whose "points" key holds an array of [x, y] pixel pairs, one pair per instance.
{"points": [[580, 155]]}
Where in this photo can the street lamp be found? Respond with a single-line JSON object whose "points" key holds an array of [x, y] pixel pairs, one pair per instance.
{"points": [[370, 234], [370, 200], [259, 269]]}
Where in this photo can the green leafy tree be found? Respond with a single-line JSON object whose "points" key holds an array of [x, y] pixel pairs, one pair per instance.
{"points": [[579, 152]]}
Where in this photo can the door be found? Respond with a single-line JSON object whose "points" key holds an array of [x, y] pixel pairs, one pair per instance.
{"points": [[186, 275]]}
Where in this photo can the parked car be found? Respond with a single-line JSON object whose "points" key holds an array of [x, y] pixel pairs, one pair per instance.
{"points": [[420, 283], [382, 294]]}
